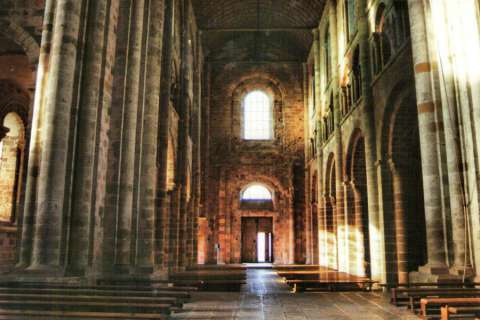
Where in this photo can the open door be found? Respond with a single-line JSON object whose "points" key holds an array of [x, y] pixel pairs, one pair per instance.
{"points": [[257, 240]]}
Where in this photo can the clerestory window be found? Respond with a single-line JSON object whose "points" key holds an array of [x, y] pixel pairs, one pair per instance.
{"points": [[257, 116]]}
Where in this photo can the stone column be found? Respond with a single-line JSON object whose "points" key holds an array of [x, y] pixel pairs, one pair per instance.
{"points": [[90, 115], [184, 135], [399, 213], [162, 219], [377, 249], [306, 132], [205, 212], [428, 105], [52, 201], [451, 118], [147, 191], [126, 208], [36, 138]]}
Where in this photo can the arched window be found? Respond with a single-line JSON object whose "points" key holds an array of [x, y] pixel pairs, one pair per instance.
{"points": [[382, 45], [350, 18], [256, 192], [328, 54], [11, 165], [257, 116]]}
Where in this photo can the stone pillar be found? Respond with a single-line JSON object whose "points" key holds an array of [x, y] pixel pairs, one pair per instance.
{"points": [[91, 111], [205, 212], [197, 155], [36, 138], [451, 117], [162, 219], [360, 236], [398, 186], [377, 249], [147, 191], [126, 207], [428, 105], [184, 135], [54, 172], [306, 182]]}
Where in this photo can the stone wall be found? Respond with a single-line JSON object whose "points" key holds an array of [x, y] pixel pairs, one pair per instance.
{"points": [[235, 162]]}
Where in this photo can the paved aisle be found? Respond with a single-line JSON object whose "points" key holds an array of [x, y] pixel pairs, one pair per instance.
{"points": [[267, 297]]}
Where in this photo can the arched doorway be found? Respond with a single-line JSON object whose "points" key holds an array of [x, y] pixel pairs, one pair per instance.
{"points": [[257, 230], [404, 162], [358, 223], [330, 221]]}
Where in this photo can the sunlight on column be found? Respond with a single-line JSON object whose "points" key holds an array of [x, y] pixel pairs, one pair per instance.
{"points": [[375, 250], [456, 33], [342, 249]]}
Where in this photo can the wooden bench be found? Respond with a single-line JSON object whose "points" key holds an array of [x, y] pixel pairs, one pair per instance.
{"points": [[429, 305], [66, 301], [399, 294], [211, 280], [99, 292], [464, 312], [86, 306], [299, 285], [47, 315], [415, 297]]}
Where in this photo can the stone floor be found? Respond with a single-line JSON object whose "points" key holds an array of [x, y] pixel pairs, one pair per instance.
{"points": [[265, 297]]}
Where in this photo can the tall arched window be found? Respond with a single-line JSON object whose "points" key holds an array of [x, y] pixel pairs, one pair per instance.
{"points": [[10, 165], [351, 18], [257, 116], [328, 54], [382, 44]]}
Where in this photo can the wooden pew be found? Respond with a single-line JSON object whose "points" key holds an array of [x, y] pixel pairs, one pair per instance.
{"points": [[464, 312], [399, 293], [427, 305], [212, 280], [299, 285], [67, 301], [86, 306], [47, 315], [179, 295], [416, 296]]}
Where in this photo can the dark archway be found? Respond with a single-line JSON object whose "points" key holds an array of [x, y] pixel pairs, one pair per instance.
{"points": [[357, 202]]}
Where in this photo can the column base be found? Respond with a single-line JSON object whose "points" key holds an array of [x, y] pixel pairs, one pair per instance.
{"points": [[433, 274]]}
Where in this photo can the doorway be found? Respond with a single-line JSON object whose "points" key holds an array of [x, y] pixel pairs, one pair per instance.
{"points": [[257, 240]]}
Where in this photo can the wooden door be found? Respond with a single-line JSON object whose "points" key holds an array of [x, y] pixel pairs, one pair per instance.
{"points": [[251, 227], [249, 239]]}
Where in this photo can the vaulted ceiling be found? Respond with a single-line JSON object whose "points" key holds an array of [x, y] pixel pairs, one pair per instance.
{"points": [[257, 30]]}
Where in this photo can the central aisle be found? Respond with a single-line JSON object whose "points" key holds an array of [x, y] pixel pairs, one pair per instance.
{"points": [[266, 297]]}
